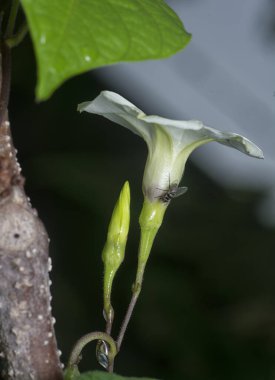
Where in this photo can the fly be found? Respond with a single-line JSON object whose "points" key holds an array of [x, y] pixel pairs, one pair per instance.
{"points": [[173, 191]]}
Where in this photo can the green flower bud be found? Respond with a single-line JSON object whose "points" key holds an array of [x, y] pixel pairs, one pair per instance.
{"points": [[114, 249]]}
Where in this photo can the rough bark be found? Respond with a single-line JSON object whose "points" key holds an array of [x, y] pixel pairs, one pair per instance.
{"points": [[28, 348]]}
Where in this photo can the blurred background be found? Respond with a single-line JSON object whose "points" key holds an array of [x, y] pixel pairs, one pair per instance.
{"points": [[207, 309]]}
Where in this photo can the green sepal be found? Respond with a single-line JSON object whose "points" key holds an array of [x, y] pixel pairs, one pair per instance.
{"points": [[150, 220]]}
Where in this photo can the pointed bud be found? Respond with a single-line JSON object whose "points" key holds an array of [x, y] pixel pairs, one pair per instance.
{"points": [[114, 249]]}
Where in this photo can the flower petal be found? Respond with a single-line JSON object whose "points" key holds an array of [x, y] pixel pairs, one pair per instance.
{"points": [[186, 135], [193, 132], [237, 142], [116, 108]]}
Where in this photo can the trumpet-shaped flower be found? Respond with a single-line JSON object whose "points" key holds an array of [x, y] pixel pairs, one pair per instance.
{"points": [[169, 142]]}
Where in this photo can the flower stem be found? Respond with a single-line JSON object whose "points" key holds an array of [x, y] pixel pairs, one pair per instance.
{"points": [[17, 38], [127, 318], [150, 220], [5, 75], [12, 18]]}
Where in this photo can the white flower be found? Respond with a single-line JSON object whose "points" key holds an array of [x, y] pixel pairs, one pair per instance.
{"points": [[170, 142]]}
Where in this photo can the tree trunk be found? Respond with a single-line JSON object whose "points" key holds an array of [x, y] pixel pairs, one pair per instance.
{"points": [[28, 349]]}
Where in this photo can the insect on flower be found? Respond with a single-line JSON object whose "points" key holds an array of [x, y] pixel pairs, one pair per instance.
{"points": [[173, 191]]}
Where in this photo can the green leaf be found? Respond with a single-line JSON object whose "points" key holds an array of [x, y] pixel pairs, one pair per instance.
{"points": [[73, 36], [98, 375]]}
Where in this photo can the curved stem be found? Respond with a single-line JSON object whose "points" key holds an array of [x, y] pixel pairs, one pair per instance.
{"points": [[17, 38], [82, 342], [12, 18], [5, 80]]}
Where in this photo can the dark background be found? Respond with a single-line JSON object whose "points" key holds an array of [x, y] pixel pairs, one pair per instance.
{"points": [[207, 309]]}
